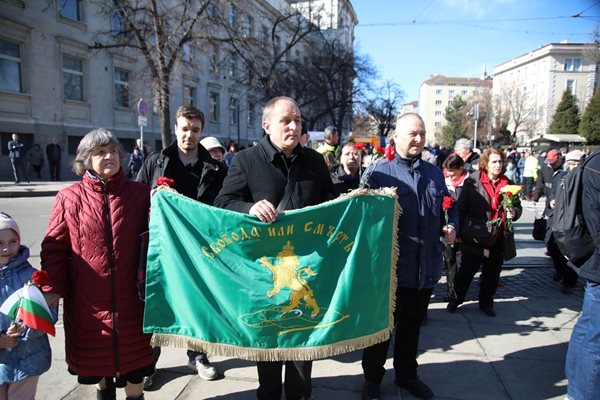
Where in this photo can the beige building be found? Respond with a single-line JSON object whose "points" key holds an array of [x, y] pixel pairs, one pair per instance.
{"points": [[535, 82], [55, 83], [437, 92]]}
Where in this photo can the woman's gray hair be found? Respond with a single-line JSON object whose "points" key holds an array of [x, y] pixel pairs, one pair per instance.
{"points": [[92, 140]]}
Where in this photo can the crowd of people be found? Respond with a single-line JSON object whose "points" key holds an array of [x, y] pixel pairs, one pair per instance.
{"points": [[456, 218], [34, 158]]}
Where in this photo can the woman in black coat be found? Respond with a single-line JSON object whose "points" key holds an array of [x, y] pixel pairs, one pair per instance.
{"points": [[480, 205]]}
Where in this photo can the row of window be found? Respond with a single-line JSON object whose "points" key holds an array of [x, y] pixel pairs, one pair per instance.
{"points": [[452, 92], [73, 84]]}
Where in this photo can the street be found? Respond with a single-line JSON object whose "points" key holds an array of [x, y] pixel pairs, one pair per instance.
{"points": [[463, 356]]}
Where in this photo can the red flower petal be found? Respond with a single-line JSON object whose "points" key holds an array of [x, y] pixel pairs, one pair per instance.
{"points": [[359, 146], [163, 180], [390, 152], [40, 278]]}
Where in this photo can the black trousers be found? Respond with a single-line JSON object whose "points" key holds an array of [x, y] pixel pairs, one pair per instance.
{"points": [[490, 275], [54, 167], [297, 384], [411, 307], [560, 262]]}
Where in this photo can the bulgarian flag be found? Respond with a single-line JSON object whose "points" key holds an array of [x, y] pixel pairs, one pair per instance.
{"points": [[29, 306]]}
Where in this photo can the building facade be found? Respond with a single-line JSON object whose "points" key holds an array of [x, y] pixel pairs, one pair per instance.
{"points": [[437, 93], [56, 81], [536, 82]]}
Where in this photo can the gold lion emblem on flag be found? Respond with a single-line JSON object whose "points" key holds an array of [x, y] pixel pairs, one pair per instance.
{"points": [[287, 275]]}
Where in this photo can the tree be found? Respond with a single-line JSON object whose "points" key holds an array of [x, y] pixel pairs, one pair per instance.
{"points": [[566, 117], [159, 32], [382, 107], [328, 82], [456, 123], [522, 116], [589, 127]]}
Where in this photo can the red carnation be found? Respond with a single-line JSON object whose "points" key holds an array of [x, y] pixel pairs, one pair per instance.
{"points": [[508, 194], [359, 146], [379, 150], [447, 202], [390, 153], [163, 180], [40, 278]]}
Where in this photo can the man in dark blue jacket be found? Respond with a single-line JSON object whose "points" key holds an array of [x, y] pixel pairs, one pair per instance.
{"points": [[420, 188], [583, 357]]}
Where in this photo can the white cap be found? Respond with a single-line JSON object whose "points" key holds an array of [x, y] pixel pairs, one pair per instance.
{"points": [[211, 142], [574, 155], [6, 222]]}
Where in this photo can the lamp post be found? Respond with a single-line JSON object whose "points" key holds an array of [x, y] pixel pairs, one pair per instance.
{"points": [[476, 118]]}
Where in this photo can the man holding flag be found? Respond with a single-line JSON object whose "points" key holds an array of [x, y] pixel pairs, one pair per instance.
{"points": [[278, 174]]}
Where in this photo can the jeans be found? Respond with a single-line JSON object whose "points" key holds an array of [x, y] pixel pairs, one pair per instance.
{"points": [[583, 357]]}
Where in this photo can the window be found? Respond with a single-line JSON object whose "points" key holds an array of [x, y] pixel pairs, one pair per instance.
{"points": [[116, 24], [214, 61], [70, 9], [189, 93], [571, 85], [572, 64], [213, 107], [251, 113], [438, 113], [211, 10], [451, 93], [277, 43], [249, 26], [232, 67], [438, 91], [121, 88], [10, 67], [475, 92], [438, 102], [265, 37], [72, 78], [231, 16], [463, 92], [186, 52], [233, 111], [438, 124]]}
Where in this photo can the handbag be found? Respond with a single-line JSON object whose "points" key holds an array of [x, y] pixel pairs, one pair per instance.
{"points": [[479, 232], [539, 228]]}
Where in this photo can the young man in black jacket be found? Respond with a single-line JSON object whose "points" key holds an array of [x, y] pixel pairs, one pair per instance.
{"points": [[197, 176]]}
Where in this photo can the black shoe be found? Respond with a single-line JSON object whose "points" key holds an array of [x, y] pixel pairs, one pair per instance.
{"points": [[416, 387], [489, 311], [452, 306], [557, 277], [567, 289], [370, 391]]}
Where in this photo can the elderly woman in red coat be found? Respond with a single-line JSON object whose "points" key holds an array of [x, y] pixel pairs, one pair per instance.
{"points": [[91, 252]]}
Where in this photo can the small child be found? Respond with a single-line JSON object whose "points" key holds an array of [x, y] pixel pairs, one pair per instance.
{"points": [[24, 352]]}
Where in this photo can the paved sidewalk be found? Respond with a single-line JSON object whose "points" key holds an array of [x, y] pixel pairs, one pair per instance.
{"points": [[464, 356]]}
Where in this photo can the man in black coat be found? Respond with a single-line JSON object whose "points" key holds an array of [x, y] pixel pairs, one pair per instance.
{"points": [[264, 180], [583, 355], [548, 177], [53, 155], [197, 176]]}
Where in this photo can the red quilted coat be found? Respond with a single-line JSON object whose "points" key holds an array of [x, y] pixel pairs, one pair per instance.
{"points": [[91, 252]]}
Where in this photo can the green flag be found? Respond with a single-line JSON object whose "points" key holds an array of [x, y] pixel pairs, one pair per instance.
{"points": [[320, 281]]}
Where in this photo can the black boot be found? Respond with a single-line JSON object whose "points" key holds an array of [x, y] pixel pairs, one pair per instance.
{"points": [[109, 392], [135, 398]]}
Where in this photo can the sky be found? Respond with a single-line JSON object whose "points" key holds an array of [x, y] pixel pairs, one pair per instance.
{"points": [[408, 41]]}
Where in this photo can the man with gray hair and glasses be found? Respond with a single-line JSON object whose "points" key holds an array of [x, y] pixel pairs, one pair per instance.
{"points": [[464, 148]]}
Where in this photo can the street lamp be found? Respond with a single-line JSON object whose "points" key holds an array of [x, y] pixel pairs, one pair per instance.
{"points": [[476, 118]]}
